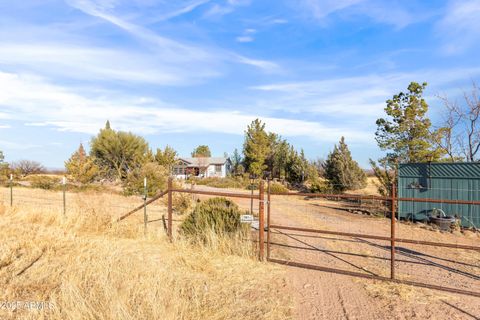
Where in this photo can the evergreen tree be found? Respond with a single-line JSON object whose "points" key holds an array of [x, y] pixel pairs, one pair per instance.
{"points": [[118, 152], [237, 162], [202, 151], [81, 167], [256, 148], [166, 158], [342, 172], [405, 134]]}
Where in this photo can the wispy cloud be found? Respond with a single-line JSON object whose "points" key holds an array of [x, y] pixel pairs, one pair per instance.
{"points": [[459, 29], [37, 102], [4, 126], [394, 13], [346, 97], [247, 35], [165, 46], [189, 7], [95, 63], [227, 7]]}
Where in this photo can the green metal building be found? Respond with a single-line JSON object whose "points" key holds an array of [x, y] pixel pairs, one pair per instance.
{"points": [[452, 181]]}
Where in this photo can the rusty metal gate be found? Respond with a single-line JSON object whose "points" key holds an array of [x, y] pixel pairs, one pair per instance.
{"points": [[397, 259]]}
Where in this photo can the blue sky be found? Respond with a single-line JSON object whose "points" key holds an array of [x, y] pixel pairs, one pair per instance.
{"points": [[195, 72]]}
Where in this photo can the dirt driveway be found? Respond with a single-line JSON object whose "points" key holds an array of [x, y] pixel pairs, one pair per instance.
{"points": [[321, 295]]}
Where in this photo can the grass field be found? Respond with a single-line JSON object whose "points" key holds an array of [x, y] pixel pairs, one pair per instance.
{"points": [[85, 265]]}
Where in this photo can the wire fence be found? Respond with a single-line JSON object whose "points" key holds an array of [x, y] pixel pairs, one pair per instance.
{"points": [[366, 236]]}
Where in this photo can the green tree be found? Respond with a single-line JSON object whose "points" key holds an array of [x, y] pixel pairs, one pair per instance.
{"points": [[342, 172], [202, 151], [166, 157], [237, 162], [118, 152], [256, 148], [405, 134], [81, 167], [296, 166]]}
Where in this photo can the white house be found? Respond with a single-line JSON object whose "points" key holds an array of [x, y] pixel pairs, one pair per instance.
{"points": [[202, 167]]}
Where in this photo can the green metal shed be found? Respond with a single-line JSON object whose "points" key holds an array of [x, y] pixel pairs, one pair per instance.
{"points": [[447, 181]]}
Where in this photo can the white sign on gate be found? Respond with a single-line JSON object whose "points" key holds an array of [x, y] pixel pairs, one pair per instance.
{"points": [[246, 218]]}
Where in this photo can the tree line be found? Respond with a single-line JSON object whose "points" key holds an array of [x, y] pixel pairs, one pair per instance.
{"points": [[405, 134]]}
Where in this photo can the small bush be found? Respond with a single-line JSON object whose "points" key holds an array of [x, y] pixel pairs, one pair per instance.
{"points": [[278, 188], [321, 186], [229, 182], [45, 182], [220, 215]]}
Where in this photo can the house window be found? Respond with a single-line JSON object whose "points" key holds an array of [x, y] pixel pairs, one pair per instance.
{"points": [[178, 170], [218, 168]]}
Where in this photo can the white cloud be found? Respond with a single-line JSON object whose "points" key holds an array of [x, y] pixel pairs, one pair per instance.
{"points": [[180, 11], [91, 63], [4, 126], [222, 9], [361, 97], [33, 100], [460, 27], [188, 53], [322, 8], [244, 39], [388, 12]]}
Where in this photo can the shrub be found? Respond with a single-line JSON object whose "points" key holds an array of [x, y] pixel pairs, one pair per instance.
{"points": [[220, 215], [27, 167], [81, 167], [229, 182], [44, 182], [276, 187], [157, 177], [320, 186]]}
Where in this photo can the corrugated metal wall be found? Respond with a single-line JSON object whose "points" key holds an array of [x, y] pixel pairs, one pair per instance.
{"points": [[452, 181]]}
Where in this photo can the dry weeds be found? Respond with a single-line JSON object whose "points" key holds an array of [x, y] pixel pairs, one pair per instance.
{"points": [[88, 266]]}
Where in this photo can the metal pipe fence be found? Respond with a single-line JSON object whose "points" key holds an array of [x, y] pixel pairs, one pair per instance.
{"points": [[388, 204]]}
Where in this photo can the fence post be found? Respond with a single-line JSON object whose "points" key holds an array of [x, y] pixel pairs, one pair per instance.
{"points": [[11, 190], [261, 220], [268, 219], [145, 217], [392, 232], [252, 181], [170, 209], [64, 182]]}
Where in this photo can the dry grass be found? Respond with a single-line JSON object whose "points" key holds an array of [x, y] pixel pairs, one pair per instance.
{"points": [[88, 266]]}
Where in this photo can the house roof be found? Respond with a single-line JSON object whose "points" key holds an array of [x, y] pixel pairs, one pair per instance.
{"points": [[203, 161]]}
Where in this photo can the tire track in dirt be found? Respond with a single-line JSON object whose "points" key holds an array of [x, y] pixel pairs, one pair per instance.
{"points": [[320, 295]]}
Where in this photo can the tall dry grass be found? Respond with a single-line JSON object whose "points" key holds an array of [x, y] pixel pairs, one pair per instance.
{"points": [[90, 267]]}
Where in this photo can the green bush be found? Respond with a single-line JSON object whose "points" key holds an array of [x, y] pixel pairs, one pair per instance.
{"points": [[220, 215], [321, 186], [229, 182], [45, 182], [157, 177], [276, 187]]}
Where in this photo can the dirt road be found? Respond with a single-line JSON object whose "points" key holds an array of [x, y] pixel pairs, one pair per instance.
{"points": [[320, 295]]}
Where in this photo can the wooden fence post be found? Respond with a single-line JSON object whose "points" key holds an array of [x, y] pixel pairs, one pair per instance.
{"points": [[261, 220], [392, 232], [268, 219], [170, 207]]}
